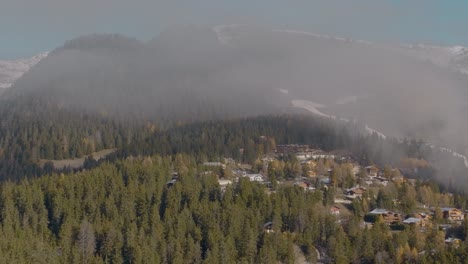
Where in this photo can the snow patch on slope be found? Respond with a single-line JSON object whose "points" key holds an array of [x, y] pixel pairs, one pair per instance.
{"points": [[451, 57], [372, 131], [454, 57], [311, 107], [298, 32], [10, 71], [314, 108], [455, 154], [225, 33]]}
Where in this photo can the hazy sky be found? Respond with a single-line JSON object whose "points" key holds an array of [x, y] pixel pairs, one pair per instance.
{"points": [[31, 26]]}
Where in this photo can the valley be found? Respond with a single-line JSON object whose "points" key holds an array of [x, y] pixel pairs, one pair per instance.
{"points": [[234, 144]]}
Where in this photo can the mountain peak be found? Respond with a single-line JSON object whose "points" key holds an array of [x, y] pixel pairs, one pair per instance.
{"points": [[102, 42]]}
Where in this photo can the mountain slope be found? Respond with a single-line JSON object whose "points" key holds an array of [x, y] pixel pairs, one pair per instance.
{"points": [[454, 58], [196, 73]]}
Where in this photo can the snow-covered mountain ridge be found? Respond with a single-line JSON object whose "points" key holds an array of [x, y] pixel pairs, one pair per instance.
{"points": [[451, 57], [12, 70]]}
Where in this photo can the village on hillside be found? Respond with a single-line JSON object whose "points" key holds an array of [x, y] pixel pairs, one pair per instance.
{"points": [[386, 194]]}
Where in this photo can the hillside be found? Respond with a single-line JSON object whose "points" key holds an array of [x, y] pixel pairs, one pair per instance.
{"points": [[176, 208], [109, 91], [197, 73]]}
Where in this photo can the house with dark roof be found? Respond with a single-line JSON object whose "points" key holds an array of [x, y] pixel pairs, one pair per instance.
{"points": [[388, 217], [334, 210], [355, 192]]}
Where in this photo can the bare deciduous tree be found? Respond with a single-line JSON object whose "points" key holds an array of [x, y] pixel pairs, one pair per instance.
{"points": [[86, 240]]}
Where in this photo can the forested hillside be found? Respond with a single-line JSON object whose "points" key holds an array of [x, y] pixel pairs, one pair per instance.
{"points": [[30, 131], [259, 135], [153, 201], [53, 133], [127, 212]]}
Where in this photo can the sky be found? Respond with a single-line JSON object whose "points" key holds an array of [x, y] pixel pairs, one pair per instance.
{"points": [[28, 27]]}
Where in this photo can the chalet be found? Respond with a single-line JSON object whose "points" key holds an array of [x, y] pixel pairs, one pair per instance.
{"points": [[355, 192], [255, 177], [424, 220], [334, 210], [424, 216], [171, 183], [412, 221], [291, 149], [322, 155], [420, 220], [224, 183], [305, 185], [389, 217], [303, 156], [452, 214], [453, 242], [302, 184], [372, 171], [381, 180], [268, 227]]}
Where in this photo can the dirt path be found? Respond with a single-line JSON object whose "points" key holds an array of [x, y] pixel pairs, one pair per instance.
{"points": [[77, 162]]}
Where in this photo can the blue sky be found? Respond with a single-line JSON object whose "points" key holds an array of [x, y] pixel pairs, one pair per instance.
{"points": [[31, 26]]}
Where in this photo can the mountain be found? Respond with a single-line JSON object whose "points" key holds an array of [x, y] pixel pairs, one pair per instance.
{"points": [[393, 89], [10, 71], [199, 73], [454, 58]]}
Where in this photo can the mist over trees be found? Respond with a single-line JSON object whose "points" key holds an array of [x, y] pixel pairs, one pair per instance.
{"points": [[101, 89], [199, 73]]}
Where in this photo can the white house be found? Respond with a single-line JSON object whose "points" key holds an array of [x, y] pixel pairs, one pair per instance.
{"points": [[255, 177], [224, 183]]}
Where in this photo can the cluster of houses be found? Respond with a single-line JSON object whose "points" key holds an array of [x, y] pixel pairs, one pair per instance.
{"points": [[303, 152], [305, 185], [420, 219], [423, 221], [373, 178]]}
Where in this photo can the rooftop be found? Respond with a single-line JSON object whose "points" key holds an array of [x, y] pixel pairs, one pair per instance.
{"points": [[379, 211], [412, 220]]}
